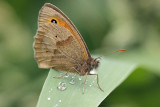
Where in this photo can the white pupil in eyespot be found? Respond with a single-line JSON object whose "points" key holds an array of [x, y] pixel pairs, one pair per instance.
{"points": [[53, 21]]}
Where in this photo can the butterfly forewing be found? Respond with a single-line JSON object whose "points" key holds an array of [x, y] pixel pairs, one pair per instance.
{"points": [[50, 12]]}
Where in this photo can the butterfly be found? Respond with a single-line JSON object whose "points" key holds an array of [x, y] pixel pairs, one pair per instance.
{"points": [[59, 45]]}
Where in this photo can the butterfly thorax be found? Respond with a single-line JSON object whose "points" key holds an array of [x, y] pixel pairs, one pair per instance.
{"points": [[88, 65]]}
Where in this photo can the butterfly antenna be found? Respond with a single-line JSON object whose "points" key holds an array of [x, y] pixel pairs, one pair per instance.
{"points": [[115, 52], [118, 51]]}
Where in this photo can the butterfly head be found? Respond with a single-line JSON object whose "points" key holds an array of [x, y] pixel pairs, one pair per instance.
{"points": [[94, 63], [89, 65]]}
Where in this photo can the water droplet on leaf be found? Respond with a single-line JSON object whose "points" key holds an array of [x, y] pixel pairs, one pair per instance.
{"points": [[80, 78], [72, 82], [49, 98], [60, 101], [56, 105], [62, 86]]}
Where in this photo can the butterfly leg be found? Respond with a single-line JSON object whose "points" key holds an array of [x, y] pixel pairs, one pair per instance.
{"points": [[61, 75], [76, 70], [98, 82], [85, 82]]}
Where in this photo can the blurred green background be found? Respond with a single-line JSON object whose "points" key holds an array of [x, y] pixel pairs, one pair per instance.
{"points": [[106, 26]]}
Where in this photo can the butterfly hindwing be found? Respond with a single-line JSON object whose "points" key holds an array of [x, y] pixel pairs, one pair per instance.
{"points": [[55, 48]]}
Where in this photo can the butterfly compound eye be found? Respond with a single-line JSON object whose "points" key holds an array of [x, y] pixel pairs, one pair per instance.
{"points": [[53, 21]]}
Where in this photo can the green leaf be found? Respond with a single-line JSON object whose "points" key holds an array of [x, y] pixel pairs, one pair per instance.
{"points": [[111, 74]]}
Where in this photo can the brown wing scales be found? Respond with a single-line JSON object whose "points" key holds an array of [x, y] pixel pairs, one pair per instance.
{"points": [[49, 12], [64, 42], [58, 45], [61, 52]]}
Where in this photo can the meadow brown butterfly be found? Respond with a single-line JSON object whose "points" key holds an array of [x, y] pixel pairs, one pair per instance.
{"points": [[59, 45]]}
